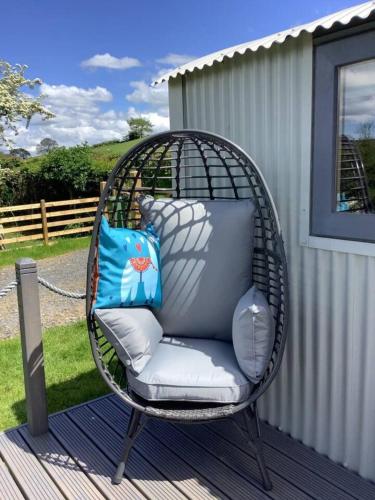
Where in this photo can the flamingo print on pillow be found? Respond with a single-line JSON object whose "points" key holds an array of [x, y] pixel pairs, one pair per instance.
{"points": [[128, 267]]}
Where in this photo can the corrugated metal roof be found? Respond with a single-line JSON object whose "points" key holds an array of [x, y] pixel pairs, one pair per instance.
{"points": [[343, 17]]}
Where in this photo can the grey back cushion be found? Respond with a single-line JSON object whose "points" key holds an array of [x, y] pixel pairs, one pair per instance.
{"points": [[253, 334], [134, 332], [206, 254]]}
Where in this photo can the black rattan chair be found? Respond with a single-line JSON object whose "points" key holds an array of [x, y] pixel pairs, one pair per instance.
{"points": [[200, 165]]}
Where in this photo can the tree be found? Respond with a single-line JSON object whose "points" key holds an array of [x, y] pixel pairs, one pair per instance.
{"points": [[366, 145], [19, 153], [68, 169], [16, 105], [366, 130], [46, 145], [9, 162], [139, 127]]}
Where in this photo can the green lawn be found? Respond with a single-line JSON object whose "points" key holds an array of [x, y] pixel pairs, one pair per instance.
{"points": [[39, 251], [71, 375]]}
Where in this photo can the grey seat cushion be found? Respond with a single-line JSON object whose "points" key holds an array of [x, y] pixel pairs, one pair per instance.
{"points": [[134, 332], [253, 334], [191, 369], [206, 253]]}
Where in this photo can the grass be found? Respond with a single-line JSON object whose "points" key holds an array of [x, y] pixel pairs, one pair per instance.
{"points": [[71, 376], [114, 148], [39, 251]]}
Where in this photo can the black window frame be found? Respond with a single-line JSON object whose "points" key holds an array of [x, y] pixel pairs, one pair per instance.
{"points": [[329, 56]]}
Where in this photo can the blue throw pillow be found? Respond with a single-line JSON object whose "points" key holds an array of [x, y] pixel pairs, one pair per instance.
{"points": [[129, 267]]}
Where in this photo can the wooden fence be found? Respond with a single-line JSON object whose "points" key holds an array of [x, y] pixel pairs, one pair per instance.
{"points": [[46, 219]]}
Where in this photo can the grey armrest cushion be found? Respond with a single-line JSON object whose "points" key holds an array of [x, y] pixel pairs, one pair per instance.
{"points": [[253, 333], [134, 332]]}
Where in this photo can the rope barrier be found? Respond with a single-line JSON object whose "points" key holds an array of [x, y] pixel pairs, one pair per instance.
{"points": [[71, 295], [60, 291]]}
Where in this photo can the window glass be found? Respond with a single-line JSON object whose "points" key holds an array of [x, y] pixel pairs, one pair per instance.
{"points": [[355, 162]]}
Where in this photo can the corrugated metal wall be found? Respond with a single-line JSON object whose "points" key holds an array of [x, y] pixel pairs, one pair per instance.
{"points": [[325, 393]]}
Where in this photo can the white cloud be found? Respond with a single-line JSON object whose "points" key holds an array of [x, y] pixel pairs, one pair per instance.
{"points": [[98, 129], [358, 99], [79, 118], [74, 97], [173, 59], [110, 62], [358, 74], [157, 97], [159, 122]]}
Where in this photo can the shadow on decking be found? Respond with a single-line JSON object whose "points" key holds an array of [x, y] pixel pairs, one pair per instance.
{"points": [[60, 396]]}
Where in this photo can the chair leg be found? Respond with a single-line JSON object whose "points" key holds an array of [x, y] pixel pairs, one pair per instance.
{"points": [[253, 429], [135, 426]]}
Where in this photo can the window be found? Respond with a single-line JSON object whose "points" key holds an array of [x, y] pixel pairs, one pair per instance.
{"points": [[343, 177], [355, 161]]}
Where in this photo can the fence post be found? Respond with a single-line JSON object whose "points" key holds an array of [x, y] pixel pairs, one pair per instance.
{"points": [[2, 246], [43, 212], [134, 205], [102, 186], [32, 346]]}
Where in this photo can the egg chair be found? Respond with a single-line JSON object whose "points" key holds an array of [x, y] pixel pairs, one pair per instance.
{"points": [[188, 165]]}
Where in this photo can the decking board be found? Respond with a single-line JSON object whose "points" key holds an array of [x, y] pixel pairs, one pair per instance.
{"points": [[281, 465], [245, 464], [67, 475], [321, 466], [147, 478], [210, 466], [177, 470], [94, 463], [8, 486], [32, 478], [76, 460]]}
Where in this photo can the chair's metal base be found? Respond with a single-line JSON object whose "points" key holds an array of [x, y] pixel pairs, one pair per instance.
{"points": [[256, 443], [252, 435], [134, 428]]}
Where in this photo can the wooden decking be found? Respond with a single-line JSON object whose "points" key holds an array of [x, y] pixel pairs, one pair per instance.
{"points": [[76, 460]]}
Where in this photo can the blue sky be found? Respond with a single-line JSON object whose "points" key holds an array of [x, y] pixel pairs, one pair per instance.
{"points": [[97, 58]]}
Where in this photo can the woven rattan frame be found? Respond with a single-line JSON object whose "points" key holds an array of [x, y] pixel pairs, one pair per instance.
{"points": [[191, 164]]}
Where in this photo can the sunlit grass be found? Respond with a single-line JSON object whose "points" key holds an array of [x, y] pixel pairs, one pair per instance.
{"points": [[71, 376]]}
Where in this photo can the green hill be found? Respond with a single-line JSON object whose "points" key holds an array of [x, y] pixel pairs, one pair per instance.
{"points": [[104, 155], [71, 174]]}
